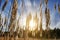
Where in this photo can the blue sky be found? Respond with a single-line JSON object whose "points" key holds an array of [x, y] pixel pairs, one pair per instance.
{"points": [[33, 6]]}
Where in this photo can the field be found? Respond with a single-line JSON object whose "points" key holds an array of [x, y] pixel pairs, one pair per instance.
{"points": [[6, 38]]}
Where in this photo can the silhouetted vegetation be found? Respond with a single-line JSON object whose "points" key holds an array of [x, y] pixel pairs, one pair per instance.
{"points": [[52, 34]]}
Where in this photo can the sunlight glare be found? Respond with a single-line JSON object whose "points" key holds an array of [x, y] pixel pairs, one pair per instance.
{"points": [[32, 25]]}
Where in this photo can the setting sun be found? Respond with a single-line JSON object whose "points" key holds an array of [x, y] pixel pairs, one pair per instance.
{"points": [[32, 25]]}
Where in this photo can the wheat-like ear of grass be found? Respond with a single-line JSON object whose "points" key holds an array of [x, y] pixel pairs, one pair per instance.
{"points": [[0, 20], [54, 6], [47, 15], [13, 16], [46, 1], [0, 1], [4, 5], [58, 8]]}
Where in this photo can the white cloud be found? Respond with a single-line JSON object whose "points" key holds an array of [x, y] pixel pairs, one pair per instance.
{"points": [[57, 25], [27, 3], [52, 16]]}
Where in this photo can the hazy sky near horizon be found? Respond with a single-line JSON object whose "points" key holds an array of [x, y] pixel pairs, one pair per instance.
{"points": [[33, 6]]}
